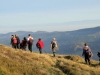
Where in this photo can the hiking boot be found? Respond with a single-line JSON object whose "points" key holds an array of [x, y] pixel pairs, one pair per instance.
{"points": [[89, 63]]}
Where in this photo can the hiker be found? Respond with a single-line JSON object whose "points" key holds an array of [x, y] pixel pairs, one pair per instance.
{"points": [[23, 44], [99, 57], [54, 46], [30, 42], [18, 41], [14, 42], [11, 42], [40, 45], [87, 53]]}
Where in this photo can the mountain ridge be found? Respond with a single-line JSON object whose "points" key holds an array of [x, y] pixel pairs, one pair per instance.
{"points": [[70, 42]]}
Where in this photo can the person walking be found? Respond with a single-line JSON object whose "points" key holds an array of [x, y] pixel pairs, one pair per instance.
{"points": [[24, 43], [87, 53], [18, 41], [40, 45], [30, 42], [14, 42], [54, 46]]}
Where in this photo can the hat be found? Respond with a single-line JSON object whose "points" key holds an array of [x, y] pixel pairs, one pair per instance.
{"points": [[86, 44], [54, 39], [39, 39], [24, 38], [29, 34]]}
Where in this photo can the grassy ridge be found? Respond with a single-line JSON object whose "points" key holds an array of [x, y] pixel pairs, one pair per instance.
{"points": [[18, 62]]}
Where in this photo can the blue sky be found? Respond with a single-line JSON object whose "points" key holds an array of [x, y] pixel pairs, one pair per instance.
{"points": [[47, 15]]}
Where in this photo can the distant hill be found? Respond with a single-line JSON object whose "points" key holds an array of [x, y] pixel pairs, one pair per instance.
{"points": [[19, 62], [70, 42]]}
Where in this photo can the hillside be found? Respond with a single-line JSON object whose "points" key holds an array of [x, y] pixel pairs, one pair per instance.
{"points": [[19, 62]]}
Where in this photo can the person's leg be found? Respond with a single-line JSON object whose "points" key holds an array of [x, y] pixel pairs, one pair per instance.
{"points": [[24, 47], [86, 59], [89, 60], [15, 46], [54, 52], [18, 46], [31, 47], [40, 50], [12, 45]]}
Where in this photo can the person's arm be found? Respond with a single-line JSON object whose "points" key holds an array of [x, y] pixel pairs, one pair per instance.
{"points": [[57, 46], [51, 45], [27, 39], [32, 38], [11, 41], [37, 45], [83, 52]]}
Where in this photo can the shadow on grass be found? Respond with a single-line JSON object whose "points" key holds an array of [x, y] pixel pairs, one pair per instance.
{"points": [[76, 59]]}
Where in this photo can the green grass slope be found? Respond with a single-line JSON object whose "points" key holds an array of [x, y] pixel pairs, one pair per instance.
{"points": [[19, 62]]}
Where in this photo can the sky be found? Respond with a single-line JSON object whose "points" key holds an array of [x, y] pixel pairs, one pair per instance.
{"points": [[47, 15]]}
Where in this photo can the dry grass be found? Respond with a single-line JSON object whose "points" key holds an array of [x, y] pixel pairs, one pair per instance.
{"points": [[18, 62]]}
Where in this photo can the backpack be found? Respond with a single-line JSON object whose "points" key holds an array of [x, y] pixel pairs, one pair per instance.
{"points": [[18, 40], [88, 52], [25, 42], [53, 44], [30, 41], [14, 40], [38, 45]]}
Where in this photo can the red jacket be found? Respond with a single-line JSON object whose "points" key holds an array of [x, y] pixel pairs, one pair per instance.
{"points": [[41, 44]]}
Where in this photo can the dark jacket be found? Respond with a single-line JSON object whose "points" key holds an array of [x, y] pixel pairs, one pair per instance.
{"points": [[87, 51], [18, 40], [11, 41]]}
